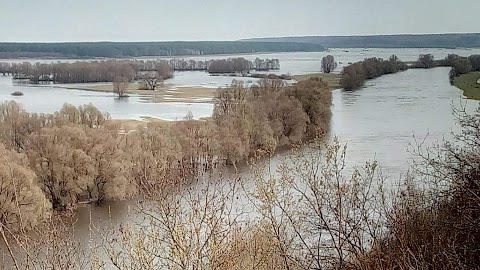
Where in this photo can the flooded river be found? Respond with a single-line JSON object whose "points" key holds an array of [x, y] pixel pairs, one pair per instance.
{"points": [[378, 121]]}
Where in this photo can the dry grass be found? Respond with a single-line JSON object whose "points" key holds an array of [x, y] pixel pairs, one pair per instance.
{"points": [[332, 79], [129, 124], [192, 92], [166, 93]]}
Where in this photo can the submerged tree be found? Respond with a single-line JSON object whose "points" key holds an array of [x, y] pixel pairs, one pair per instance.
{"points": [[120, 85], [151, 80], [22, 202], [328, 64]]}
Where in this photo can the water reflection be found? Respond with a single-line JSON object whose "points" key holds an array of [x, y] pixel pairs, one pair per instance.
{"points": [[121, 99], [157, 98]]}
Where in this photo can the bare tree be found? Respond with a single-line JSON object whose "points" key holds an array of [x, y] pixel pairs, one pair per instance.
{"points": [[22, 203], [120, 86], [319, 217], [188, 230], [151, 80], [164, 70], [328, 64]]}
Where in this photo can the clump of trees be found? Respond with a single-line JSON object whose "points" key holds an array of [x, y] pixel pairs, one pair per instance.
{"points": [[460, 65], [72, 154], [355, 75], [231, 65], [240, 65], [151, 74], [475, 62], [259, 119], [328, 64], [426, 61]]}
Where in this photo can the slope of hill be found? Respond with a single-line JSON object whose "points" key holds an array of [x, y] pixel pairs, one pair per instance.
{"points": [[136, 49], [471, 40]]}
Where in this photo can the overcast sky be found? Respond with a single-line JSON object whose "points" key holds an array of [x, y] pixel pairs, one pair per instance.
{"points": [[161, 20]]}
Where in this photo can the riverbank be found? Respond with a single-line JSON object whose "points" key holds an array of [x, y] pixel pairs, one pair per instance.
{"points": [[470, 84]]}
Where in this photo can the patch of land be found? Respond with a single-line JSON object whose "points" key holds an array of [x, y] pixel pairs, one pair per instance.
{"points": [[190, 94], [165, 93], [470, 84], [332, 79], [128, 125]]}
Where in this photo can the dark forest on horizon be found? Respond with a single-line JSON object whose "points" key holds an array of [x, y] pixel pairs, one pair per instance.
{"points": [[138, 49], [464, 40]]}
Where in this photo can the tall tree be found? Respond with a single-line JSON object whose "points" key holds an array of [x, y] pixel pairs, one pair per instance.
{"points": [[22, 202], [120, 85], [328, 64], [426, 60]]}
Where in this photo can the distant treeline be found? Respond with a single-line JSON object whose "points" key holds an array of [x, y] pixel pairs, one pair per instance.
{"points": [[230, 65], [89, 71], [355, 75], [137, 49], [241, 65], [107, 70], [387, 41]]}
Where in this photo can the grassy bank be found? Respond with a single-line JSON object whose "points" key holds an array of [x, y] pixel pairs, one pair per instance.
{"points": [[333, 80], [469, 83]]}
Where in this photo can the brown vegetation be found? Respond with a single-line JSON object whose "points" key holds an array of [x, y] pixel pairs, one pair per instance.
{"points": [[435, 224], [120, 85], [332, 79], [75, 156], [354, 75], [240, 65]]}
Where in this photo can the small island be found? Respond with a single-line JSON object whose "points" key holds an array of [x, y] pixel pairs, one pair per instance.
{"points": [[17, 94]]}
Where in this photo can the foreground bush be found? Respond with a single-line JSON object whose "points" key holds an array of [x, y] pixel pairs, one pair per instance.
{"points": [[436, 226]]}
